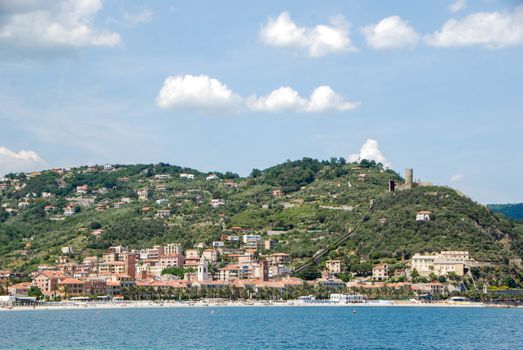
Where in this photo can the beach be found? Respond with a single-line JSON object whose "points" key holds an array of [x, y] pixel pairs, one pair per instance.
{"points": [[201, 304]]}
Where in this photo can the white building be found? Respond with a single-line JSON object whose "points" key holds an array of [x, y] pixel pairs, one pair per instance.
{"points": [[217, 202], [423, 215], [67, 250], [187, 176], [172, 248], [163, 213], [250, 238], [347, 298]]}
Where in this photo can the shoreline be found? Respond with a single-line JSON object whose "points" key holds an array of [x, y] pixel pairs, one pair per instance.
{"points": [[210, 304]]}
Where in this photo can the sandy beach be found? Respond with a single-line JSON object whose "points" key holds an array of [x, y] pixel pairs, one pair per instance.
{"points": [[169, 304]]}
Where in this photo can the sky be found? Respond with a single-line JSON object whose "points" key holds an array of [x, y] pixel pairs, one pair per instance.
{"points": [[433, 85]]}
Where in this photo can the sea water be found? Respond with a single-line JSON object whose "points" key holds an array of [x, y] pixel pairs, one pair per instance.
{"points": [[264, 328]]}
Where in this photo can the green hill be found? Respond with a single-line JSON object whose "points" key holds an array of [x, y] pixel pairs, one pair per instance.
{"points": [[304, 205], [512, 211]]}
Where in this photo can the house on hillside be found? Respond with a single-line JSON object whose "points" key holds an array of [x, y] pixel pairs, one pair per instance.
{"points": [[423, 215], [380, 272]]}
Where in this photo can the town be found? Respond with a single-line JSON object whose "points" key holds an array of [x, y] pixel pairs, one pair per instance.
{"points": [[170, 267], [240, 263]]}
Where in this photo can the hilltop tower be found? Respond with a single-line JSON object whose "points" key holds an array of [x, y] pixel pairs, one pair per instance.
{"points": [[203, 270], [409, 178]]}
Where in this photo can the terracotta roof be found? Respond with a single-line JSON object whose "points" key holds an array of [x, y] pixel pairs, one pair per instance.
{"points": [[71, 281]]}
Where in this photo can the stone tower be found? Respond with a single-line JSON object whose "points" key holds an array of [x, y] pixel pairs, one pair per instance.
{"points": [[409, 178]]}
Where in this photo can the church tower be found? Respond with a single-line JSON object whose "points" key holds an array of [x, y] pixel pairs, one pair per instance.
{"points": [[203, 270]]}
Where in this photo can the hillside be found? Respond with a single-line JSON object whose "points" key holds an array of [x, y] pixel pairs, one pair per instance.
{"points": [[512, 211], [303, 205]]}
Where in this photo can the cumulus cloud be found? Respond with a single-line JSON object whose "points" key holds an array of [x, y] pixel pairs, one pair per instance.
{"points": [[46, 25], [391, 33], [317, 41], [322, 99], [456, 178], [199, 92], [492, 30], [370, 151], [457, 6], [18, 161], [279, 100], [205, 94]]}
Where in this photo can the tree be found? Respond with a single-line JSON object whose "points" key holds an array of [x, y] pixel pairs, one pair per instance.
{"points": [[256, 173], [309, 273], [35, 292]]}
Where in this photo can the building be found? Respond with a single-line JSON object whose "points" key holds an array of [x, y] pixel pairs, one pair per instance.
{"points": [[380, 272], [269, 244], [218, 244], [277, 193], [330, 283], [118, 261], [162, 177], [192, 254], [173, 248], [248, 238], [215, 203], [82, 189], [440, 264], [428, 288], [187, 176], [69, 210], [211, 255], [171, 260], [71, 287], [163, 213], [67, 250], [19, 288], [456, 255], [333, 267], [423, 215], [203, 270], [443, 267], [143, 194], [347, 298], [47, 282]]}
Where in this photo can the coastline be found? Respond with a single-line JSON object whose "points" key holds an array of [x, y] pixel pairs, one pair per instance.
{"points": [[211, 304]]}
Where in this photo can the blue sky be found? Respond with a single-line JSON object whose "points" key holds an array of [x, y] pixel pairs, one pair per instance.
{"points": [[236, 85]]}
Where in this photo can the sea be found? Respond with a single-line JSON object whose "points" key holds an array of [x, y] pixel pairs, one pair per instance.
{"points": [[401, 328]]}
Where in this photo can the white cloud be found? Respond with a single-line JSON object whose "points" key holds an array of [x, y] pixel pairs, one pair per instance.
{"points": [[322, 99], [318, 41], [456, 177], [370, 151], [15, 162], [199, 92], [279, 100], [391, 33], [205, 94], [143, 15], [492, 30], [44, 25], [457, 5]]}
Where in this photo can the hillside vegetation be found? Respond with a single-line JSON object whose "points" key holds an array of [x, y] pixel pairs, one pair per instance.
{"points": [[512, 211], [304, 205]]}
